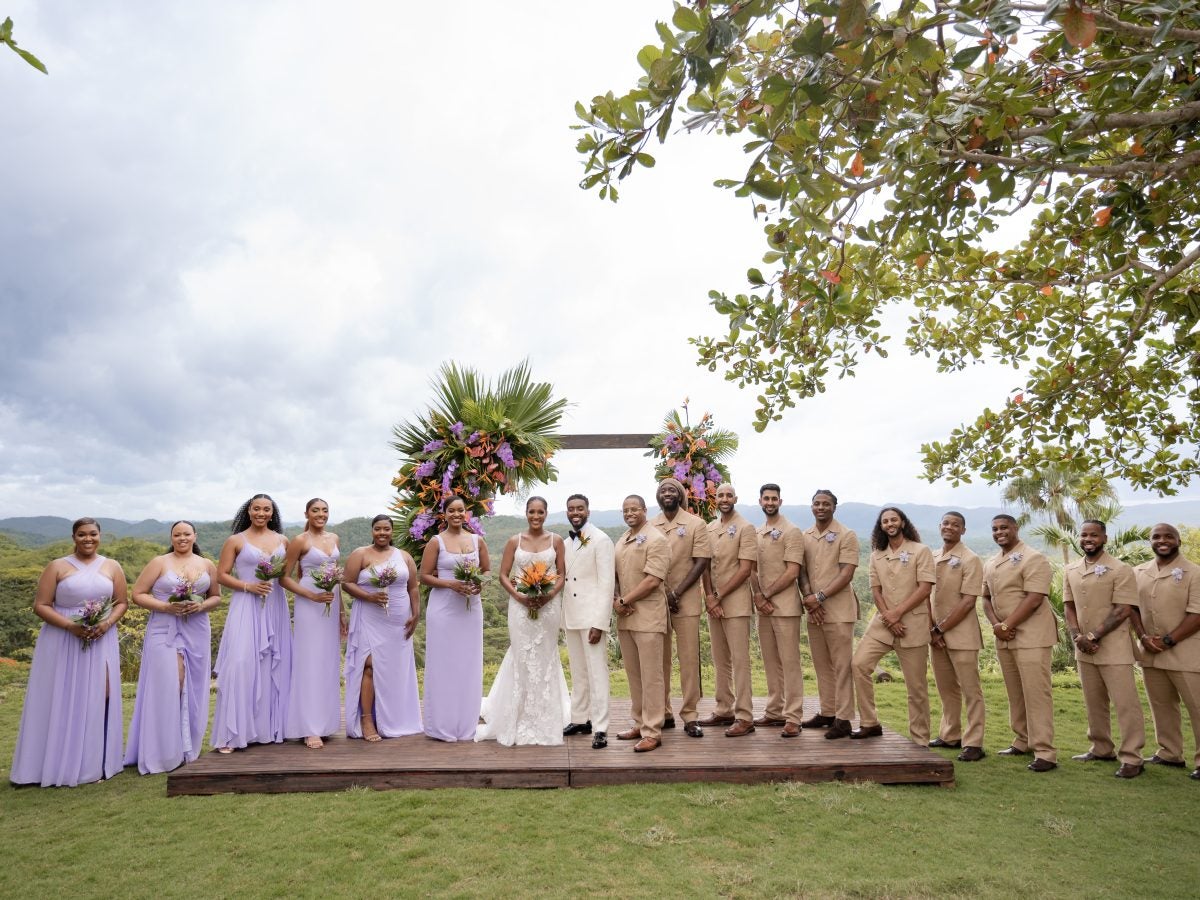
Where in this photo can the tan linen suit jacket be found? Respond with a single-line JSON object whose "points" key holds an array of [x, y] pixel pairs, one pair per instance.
{"points": [[1166, 596], [898, 572], [779, 545], [1007, 578], [688, 539], [1095, 588], [638, 554], [824, 551], [959, 571], [728, 549]]}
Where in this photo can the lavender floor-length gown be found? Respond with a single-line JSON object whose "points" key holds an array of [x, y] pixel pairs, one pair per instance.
{"points": [[453, 655], [70, 733], [168, 723], [254, 662], [315, 698], [378, 632]]}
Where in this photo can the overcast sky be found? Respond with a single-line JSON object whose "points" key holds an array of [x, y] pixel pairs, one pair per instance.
{"points": [[238, 238]]}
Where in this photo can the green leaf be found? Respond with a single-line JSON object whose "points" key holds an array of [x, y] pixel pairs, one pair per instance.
{"points": [[647, 55], [851, 19], [6, 30], [964, 58], [685, 19], [754, 276]]}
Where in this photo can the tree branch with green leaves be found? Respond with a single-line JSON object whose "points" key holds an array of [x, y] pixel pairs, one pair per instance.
{"points": [[6, 30]]}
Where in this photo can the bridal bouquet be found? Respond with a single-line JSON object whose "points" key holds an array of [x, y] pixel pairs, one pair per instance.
{"points": [[326, 577], [184, 591], [466, 569], [383, 577], [268, 569], [92, 614], [536, 580]]}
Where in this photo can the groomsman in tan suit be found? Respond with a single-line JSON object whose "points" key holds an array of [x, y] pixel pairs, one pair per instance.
{"points": [[642, 561], [729, 601], [1016, 585], [690, 555], [956, 640], [780, 556], [830, 558], [1099, 596], [1167, 624], [587, 616]]}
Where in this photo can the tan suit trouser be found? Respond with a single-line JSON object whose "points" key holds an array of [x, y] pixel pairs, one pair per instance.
{"points": [[641, 652], [731, 658], [1105, 684], [779, 637], [914, 663], [1030, 701], [832, 648], [589, 678], [1165, 689], [956, 673], [687, 645]]}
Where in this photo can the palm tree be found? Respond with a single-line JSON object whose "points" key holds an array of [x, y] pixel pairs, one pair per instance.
{"points": [[1061, 496]]}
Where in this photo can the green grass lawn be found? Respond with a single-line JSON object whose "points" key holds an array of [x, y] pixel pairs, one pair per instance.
{"points": [[1002, 832]]}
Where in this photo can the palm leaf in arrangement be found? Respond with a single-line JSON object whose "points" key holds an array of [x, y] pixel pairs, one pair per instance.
{"points": [[694, 455]]}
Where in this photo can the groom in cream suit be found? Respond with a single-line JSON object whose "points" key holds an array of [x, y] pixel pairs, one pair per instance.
{"points": [[587, 612]]}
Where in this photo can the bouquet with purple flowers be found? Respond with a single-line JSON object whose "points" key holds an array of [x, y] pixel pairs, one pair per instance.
{"points": [[91, 615], [383, 577], [467, 569], [184, 591], [268, 569], [326, 577]]}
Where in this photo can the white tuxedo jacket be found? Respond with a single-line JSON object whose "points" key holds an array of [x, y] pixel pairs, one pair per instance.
{"points": [[588, 596]]}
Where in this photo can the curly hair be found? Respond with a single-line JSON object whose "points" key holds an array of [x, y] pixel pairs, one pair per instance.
{"points": [[879, 538], [241, 521]]}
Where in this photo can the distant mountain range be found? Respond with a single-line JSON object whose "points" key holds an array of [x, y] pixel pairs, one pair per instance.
{"points": [[36, 530]]}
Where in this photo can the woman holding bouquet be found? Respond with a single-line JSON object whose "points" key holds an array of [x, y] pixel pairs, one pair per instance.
{"points": [[254, 660], [315, 697], [529, 702], [171, 709], [381, 667], [454, 627], [71, 723]]}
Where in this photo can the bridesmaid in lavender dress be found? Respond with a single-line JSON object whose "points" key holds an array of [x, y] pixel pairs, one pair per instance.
{"points": [[71, 723], [453, 630], [315, 698], [381, 668], [171, 711], [254, 660]]}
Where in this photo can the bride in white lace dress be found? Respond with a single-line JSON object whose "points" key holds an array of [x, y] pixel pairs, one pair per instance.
{"points": [[529, 702]]}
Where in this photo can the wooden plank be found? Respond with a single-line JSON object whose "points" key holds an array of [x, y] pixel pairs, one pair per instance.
{"points": [[605, 441]]}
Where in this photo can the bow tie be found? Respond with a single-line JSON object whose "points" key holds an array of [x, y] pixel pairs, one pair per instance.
{"points": [[575, 534]]}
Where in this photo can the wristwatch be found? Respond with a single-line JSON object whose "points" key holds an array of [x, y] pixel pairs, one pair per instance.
{"points": [[820, 596], [1169, 641]]}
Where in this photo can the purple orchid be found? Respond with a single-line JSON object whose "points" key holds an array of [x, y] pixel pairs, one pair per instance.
{"points": [[472, 487], [505, 455], [433, 446], [457, 429], [698, 487], [421, 525], [425, 469], [448, 477], [680, 471]]}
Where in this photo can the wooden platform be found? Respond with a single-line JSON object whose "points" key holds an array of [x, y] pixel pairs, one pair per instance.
{"points": [[419, 762]]}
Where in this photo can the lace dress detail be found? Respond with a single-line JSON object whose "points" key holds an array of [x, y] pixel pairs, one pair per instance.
{"points": [[529, 702]]}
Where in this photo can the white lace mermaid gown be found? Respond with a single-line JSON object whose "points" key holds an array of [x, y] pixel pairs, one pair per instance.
{"points": [[529, 702]]}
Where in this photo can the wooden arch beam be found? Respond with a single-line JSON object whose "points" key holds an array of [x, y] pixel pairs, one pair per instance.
{"points": [[605, 441]]}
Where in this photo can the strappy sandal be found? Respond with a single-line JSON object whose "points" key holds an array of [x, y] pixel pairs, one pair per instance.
{"points": [[225, 750], [371, 738], [312, 742]]}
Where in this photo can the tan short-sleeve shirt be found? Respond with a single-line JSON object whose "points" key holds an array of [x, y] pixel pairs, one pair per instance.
{"points": [[824, 552], [1007, 578], [897, 572], [959, 571], [1166, 596], [638, 554], [778, 545], [1095, 588], [732, 542], [687, 537]]}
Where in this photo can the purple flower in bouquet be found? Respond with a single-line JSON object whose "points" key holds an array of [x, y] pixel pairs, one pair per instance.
{"points": [[712, 474], [92, 614], [473, 438], [680, 471], [327, 576], [425, 469], [383, 577], [448, 477], [505, 455], [457, 429], [489, 507], [433, 445], [268, 569], [472, 487], [420, 525], [474, 526], [467, 569], [698, 487], [184, 591], [673, 444]]}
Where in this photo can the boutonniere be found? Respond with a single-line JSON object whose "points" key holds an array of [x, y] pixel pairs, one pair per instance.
{"points": [[1100, 570], [1177, 573], [830, 537], [904, 557], [681, 531], [1016, 558], [775, 534], [640, 539], [584, 540], [954, 562], [731, 530]]}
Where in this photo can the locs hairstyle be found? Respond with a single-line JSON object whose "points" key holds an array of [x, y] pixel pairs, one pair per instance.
{"points": [[828, 493], [879, 538], [241, 521], [195, 544]]}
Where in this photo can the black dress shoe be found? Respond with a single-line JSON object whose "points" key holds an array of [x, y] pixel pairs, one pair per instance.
{"points": [[869, 732], [691, 729], [1092, 757], [576, 728], [1157, 760], [839, 729], [971, 754], [1041, 765], [1013, 751], [599, 740], [669, 722], [949, 745], [1194, 774], [818, 721]]}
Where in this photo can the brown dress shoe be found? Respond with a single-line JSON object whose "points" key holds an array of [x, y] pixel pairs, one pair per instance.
{"points": [[869, 731], [633, 734], [740, 727], [1129, 770], [646, 744], [839, 729], [971, 754], [1092, 757], [1157, 760], [714, 719], [791, 729], [1041, 765], [818, 721], [691, 729], [770, 722]]}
